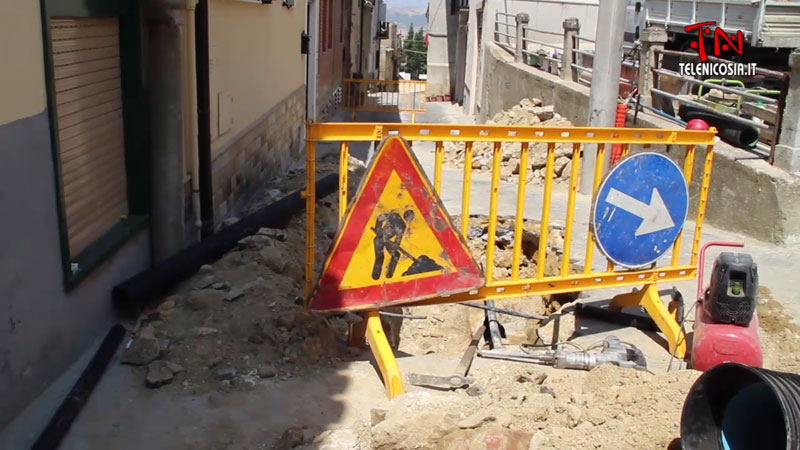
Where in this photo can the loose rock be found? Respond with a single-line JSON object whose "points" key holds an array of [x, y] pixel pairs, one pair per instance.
{"points": [[160, 373], [225, 373], [144, 349]]}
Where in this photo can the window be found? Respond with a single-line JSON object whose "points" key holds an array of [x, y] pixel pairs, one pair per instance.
{"points": [[91, 144], [95, 104]]}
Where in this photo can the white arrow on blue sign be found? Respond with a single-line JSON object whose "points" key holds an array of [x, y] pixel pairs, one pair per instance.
{"points": [[639, 210]]}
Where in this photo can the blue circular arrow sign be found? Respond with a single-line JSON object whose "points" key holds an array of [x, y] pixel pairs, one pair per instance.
{"points": [[639, 210]]}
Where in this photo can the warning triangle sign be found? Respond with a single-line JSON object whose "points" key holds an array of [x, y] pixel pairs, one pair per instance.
{"points": [[396, 243]]}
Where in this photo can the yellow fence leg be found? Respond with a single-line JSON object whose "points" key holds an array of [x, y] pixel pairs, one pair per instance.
{"points": [[649, 299], [383, 354]]}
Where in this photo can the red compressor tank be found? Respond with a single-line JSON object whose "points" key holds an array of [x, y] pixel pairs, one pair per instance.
{"points": [[726, 324], [715, 343]]}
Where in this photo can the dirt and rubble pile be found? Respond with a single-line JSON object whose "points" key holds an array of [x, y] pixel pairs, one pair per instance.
{"points": [[541, 408], [527, 112], [239, 319]]}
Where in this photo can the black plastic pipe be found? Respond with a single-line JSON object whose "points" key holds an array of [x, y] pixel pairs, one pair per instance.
{"points": [[59, 424], [203, 119], [733, 406], [133, 295], [732, 132]]}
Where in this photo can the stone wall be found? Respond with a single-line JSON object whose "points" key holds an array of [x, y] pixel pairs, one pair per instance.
{"points": [[747, 195], [262, 151]]}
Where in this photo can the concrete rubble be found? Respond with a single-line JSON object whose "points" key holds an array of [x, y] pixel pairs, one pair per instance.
{"points": [[527, 112]]}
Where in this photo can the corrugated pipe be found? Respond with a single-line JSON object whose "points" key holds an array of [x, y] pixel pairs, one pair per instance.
{"points": [[733, 406], [619, 122], [62, 419], [133, 295]]}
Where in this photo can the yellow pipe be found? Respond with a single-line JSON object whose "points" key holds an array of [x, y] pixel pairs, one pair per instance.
{"points": [[465, 188], [437, 167], [701, 206], [518, 219], [688, 166], [344, 151], [573, 190], [496, 156], [310, 193], [545, 225], [383, 354], [598, 172]]}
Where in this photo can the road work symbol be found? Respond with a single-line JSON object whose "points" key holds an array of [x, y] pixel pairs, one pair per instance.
{"points": [[389, 229], [639, 210], [396, 243]]}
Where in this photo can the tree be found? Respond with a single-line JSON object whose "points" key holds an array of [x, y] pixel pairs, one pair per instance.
{"points": [[415, 52]]}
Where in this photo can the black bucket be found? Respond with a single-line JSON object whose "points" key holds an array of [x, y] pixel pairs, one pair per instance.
{"points": [[738, 407]]}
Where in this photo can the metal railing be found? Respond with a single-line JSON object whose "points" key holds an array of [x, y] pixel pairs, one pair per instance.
{"points": [[384, 96], [551, 57]]}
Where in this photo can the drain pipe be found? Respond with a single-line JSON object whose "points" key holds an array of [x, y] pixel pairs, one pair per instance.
{"points": [[203, 120], [192, 140]]}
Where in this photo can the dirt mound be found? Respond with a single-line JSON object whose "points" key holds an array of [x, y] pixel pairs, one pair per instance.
{"points": [[780, 335], [527, 112], [239, 319]]}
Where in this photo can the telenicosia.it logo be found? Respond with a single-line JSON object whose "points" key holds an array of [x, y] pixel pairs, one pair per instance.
{"points": [[723, 43]]}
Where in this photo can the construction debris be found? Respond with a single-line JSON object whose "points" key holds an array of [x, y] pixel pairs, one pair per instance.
{"points": [[527, 112], [198, 344]]}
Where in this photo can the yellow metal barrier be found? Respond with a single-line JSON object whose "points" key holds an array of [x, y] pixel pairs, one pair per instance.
{"points": [[384, 96], [612, 277]]}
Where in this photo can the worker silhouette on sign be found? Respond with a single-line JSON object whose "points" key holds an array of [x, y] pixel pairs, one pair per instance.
{"points": [[389, 230]]}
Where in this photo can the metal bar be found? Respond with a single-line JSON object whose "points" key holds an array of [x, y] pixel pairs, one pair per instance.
{"points": [[369, 132], [598, 172], [720, 87], [496, 156], [507, 312], [546, 44], [311, 172], [437, 167], [700, 105], [625, 150], [518, 219], [701, 205], [609, 266], [568, 224], [465, 188], [688, 166], [544, 226], [402, 316], [552, 33], [505, 34], [343, 169]]}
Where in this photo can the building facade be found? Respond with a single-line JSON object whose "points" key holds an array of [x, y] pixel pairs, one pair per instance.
{"points": [[104, 123]]}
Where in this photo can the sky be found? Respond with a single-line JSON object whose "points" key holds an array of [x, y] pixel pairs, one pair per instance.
{"points": [[408, 3]]}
